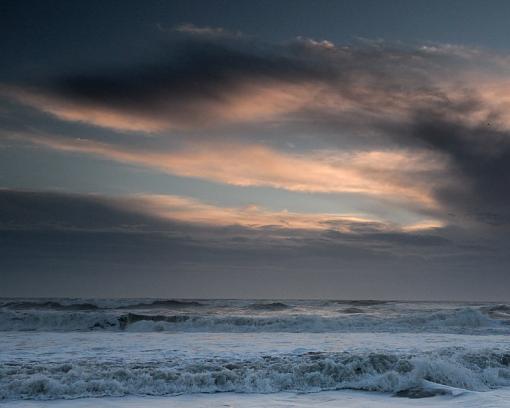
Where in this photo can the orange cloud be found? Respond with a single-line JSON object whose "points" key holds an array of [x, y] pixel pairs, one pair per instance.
{"points": [[81, 112], [185, 209], [392, 175], [269, 100], [246, 102], [374, 83]]}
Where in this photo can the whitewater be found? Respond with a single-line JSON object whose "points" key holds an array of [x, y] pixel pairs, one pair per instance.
{"points": [[212, 353]]}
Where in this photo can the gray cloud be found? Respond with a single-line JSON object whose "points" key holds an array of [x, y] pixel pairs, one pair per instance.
{"points": [[122, 220], [199, 78], [83, 245], [480, 164]]}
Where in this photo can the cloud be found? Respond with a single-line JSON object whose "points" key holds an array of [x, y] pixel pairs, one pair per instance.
{"points": [[479, 158], [394, 175], [263, 100], [184, 209], [181, 231], [206, 80], [427, 125], [25, 209], [190, 220], [192, 29], [83, 245]]}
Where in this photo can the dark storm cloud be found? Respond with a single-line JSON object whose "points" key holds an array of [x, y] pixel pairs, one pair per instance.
{"points": [[480, 163], [194, 83], [203, 79], [190, 71]]}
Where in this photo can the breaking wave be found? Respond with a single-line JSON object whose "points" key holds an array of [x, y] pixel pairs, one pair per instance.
{"points": [[465, 320], [162, 304], [498, 312], [409, 374]]}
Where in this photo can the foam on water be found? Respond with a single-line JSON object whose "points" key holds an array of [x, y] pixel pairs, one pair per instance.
{"points": [[74, 348], [308, 372]]}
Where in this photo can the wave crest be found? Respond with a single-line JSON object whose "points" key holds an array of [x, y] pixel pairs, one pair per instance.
{"points": [[310, 372], [453, 321], [273, 306]]}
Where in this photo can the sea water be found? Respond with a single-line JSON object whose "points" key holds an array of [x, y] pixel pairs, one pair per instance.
{"points": [[159, 352]]}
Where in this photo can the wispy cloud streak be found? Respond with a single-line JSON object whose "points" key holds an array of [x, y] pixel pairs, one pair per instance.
{"points": [[398, 175]]}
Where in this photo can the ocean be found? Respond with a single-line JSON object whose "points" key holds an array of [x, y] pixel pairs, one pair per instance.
{"points": [[253, 353]]}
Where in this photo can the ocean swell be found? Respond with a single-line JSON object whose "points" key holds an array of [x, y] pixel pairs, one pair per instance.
{"points": [[467, 320]]}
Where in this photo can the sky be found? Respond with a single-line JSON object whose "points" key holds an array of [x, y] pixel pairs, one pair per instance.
{"points": [[255, 149]]}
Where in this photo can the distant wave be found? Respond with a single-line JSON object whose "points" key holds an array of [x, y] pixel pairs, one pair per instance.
{"points": [[49, 305], [500, 308], [466, 320], [351, 310], [161, 304], [108, 304], [498, 311], [463, 320], [273, 306], [405, 375], [367, 302]]}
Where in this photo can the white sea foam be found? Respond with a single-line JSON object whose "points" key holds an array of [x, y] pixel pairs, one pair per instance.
{"points": [[309, 372]]}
